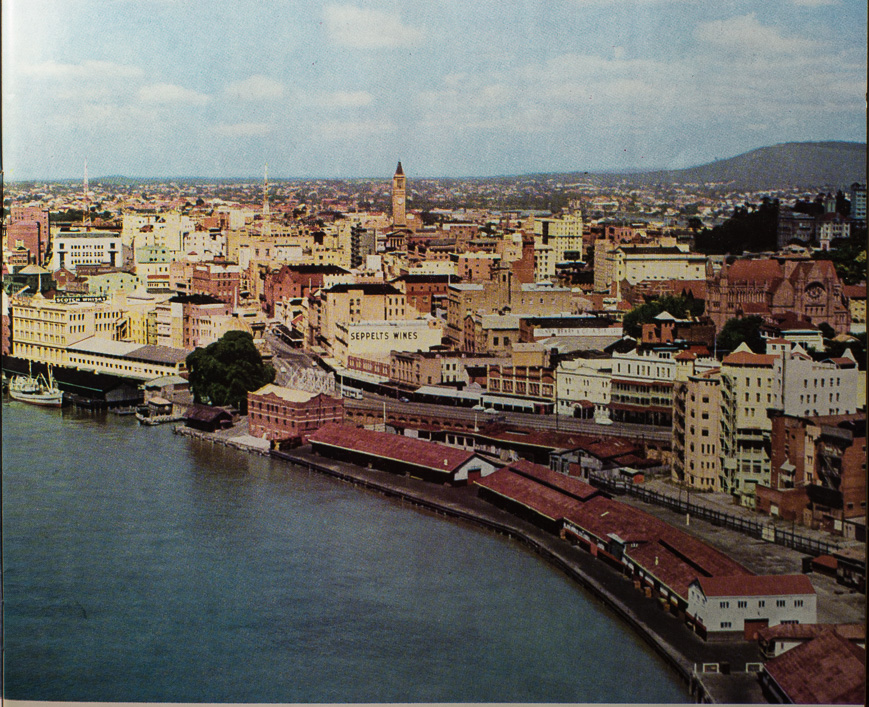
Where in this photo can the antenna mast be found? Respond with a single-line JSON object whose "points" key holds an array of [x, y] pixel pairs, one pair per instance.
{"points": [[87, 208], [267, 223]]}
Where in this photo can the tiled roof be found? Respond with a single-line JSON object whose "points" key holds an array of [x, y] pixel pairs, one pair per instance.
{"points": [[853, 632], [746, 358], [756, 585], [542, 474], [392, 446], [827, 670], [542, 499], [755, 270]]}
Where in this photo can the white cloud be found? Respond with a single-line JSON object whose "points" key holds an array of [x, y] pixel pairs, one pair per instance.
{"points": [[360, 28], [255, 88], [351, 129], [344, 99], [744, 34], [243, 129], [168, 93], [87, 70]]}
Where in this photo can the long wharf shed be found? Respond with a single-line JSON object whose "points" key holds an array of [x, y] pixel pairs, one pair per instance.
{"points": [[400, 455], [663, 561]]}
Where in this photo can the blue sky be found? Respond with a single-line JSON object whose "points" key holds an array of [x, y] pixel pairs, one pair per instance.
{"points": [[451, 87]]}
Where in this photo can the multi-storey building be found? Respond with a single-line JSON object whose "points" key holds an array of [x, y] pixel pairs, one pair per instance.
{"points": [[166, 230], [750, 385], [73, 248], [344, 304], [375, 340], [818, 469], [858, 202], [638, 263], [642, 385], [583, 386], [281, 414], [476, 267], [423, 292], [556, 240], [28, 235], [696, 460], [43, 329], [153, 265], [743, 605], [215, 279]]}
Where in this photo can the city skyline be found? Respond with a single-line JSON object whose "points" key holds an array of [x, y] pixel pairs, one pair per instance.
{"points": [[342, 90]]}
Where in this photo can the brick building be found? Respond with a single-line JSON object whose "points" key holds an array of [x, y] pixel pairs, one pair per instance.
{"points": [[281, 414], [809, 289]]}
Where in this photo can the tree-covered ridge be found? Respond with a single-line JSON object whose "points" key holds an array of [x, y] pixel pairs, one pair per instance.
{"points": [[224, 372]]}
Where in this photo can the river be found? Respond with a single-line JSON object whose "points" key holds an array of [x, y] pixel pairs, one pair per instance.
{"points": [[142, 566]]}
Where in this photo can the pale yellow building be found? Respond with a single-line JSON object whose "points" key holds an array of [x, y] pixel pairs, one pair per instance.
{"points": [[556, 240], [696, 426], [638, 263], [43, 329]]}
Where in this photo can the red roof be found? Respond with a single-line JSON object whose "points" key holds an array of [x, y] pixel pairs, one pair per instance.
{"points": [[560, 482], [853, 632], [542, 499], [854, 291], [392, 446], [755, 270], [756, 585], [828, 670], [746, 358]]}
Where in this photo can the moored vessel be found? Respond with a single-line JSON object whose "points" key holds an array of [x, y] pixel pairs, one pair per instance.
{"points": [[37, 390]]}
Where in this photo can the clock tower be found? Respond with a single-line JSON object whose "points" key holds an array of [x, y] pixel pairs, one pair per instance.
{"points": [[399, 185]]}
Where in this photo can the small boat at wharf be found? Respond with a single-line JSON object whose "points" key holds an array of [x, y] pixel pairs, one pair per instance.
{"points": [[37, 390]]}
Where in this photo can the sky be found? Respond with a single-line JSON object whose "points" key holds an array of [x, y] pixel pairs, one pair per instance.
{"points": [[452, 88]]}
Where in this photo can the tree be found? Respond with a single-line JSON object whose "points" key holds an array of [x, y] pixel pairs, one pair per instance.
{"points": [[750, 228], [742, 329], [224, 372], [679, 307]]}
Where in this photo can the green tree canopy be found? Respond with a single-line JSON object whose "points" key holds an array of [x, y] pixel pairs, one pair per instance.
{"points": [[751, 228], [222, 373], [679, 307], [742, 329]]}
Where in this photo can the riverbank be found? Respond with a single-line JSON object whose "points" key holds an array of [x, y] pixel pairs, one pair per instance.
{"points": [[683, 650]]}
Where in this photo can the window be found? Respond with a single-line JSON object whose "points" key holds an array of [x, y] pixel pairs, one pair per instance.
{"points": [[725, 624], [780, 602], [741, 604], [798, 602], [761, 603], [725, 604]]}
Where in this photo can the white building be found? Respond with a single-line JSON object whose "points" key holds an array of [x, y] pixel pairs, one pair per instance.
{"points": [[74, 248], [374, 340], [744, 604], [583, 380]]}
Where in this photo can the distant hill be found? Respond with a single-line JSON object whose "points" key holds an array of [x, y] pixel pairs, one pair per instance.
{"points": [[811, 165]]}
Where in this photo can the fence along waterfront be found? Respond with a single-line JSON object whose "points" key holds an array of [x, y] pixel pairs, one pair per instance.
{"points": [[756, 529]]}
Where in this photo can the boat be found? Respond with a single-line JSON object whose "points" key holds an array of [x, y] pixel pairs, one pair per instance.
{"points": [[37, 390]]}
